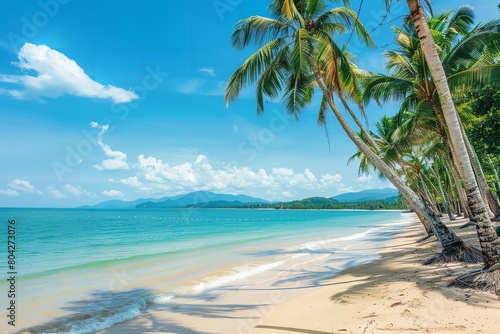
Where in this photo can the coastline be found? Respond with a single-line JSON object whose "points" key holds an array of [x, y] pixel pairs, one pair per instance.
{"points": [[395, 294], [232, 309], [382, 210]]}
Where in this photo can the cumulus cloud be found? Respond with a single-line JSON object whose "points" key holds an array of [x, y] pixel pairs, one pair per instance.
{"points": [[9, 192], [57, 75], [117, 159], [364, 178], [328, 179], [208, 71], [283, 172], [132, 181], [113, 193], [24, 186], [309, 175], [158, 177]]}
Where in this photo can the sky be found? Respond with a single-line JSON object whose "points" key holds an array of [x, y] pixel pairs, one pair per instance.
{"points": [[105, 100]]}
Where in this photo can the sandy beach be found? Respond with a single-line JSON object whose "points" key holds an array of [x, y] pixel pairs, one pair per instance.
{"points": [[395, 293]]}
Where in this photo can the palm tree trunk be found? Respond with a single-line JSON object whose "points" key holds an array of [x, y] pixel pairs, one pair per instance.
{"points": [[424, 222], [445, 202], [461, 191], [490, 242], [430, 198], [456, 168], [450, 242], [356, 120], [456, 175], [481, 179], [456, 202]]}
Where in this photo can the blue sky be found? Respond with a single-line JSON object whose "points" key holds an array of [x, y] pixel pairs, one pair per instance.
{"points": [[124, 99]]}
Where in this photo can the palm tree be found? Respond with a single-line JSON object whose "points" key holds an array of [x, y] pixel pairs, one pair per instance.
{"points": [[490, 242], [300, 54], [432, 154], [385, 137]]}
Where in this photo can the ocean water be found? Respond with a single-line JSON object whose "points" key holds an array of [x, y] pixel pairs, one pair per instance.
{"points": [[80, 271]]}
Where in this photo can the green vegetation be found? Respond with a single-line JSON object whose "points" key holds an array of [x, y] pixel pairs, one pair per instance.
{"points": [[321, 203]]}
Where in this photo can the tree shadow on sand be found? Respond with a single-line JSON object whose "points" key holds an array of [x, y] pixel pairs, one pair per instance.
{"points": [[104, 308]]}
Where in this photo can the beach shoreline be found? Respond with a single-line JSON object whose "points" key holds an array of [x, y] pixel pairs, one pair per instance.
{"points": [[238, 310], [382, 210], [395, 293]]}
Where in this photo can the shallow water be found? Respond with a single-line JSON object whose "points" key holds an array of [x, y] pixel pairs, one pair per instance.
{"points": [[80, 271]]}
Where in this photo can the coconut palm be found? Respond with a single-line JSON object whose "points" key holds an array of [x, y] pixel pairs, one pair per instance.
{"points": [[386, 130], [299, 54], [490, 243]]}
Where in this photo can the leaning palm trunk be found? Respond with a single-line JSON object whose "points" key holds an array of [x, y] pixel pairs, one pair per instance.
{"points": [[457, 202], [490, 242], [453, 246], [481, 179], [358, 123], [429, 197], [445, 202], [457, 174], [458, 182], [424, 222]]}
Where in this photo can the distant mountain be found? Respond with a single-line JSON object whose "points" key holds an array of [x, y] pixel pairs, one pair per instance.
{"points": [[218, 204], [386, 194], [209, 199], [198, 197], [317, 203], [118, 204], [184, 200]]}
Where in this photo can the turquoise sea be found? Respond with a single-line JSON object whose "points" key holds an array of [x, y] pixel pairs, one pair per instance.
{"points": [[80, 271]]}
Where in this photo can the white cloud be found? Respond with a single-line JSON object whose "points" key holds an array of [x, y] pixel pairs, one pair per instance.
{"points": [[158, 178], [76, 191], [57, 194], [364, 178], [344, 189], [132, 181], [118, 159], [57, 75], [328, 179], [113, 193], [283, 172], [309, 175], [208, 70], [9, 192], [25, 186]]}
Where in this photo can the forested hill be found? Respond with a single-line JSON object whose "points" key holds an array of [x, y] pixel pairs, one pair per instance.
{"points": [[317, 203]]}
